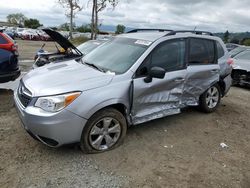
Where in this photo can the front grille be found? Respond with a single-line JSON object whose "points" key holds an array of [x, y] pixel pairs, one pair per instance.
{"points": [[24, 95]]}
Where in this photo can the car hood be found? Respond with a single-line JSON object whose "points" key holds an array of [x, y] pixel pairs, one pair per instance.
{"points": [[61, 40], [242, 64], [64, 77]]}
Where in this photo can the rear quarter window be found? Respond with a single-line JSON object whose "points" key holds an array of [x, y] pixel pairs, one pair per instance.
{"points": [[220, 50], [201, 52], [3, 40]]}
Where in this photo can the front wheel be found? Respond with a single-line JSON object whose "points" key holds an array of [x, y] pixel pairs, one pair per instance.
{"points": [[104, 131], [210, 99]]}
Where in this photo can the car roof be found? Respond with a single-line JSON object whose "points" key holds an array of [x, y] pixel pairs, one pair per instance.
{"points": [[153, 36], [149, 36]]}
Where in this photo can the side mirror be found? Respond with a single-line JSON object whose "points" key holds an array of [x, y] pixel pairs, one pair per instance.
{"points": [[155, 72]]}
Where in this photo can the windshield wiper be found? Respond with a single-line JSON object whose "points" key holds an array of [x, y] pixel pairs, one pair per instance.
{"points": [[94, 66]]}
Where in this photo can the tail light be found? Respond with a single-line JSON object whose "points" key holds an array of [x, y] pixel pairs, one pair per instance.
{"points": [[14, 47], [230, 61]]}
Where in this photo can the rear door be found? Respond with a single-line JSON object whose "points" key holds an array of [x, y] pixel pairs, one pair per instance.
{"points": [[203, 70], [160, 97]]}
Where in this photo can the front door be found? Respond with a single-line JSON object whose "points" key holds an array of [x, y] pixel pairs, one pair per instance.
{"points": [[160, 97]]}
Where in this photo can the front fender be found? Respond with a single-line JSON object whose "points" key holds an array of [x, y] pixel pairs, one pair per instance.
{"points": [[91, 101]]}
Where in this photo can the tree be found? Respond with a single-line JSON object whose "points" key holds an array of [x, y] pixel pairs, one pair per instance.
{"points": [[246, 41], [72, 6], [235, 41], [226, 36], [84, 28], [64, 27], [97, 7], [32, 23], [17, 19], [120, 29]]}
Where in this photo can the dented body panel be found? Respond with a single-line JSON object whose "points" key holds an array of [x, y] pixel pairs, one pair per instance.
{"points": [[159, 98], [199, 79]]}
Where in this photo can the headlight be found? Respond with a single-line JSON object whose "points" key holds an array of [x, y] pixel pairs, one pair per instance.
{"points": [[57, 102]]}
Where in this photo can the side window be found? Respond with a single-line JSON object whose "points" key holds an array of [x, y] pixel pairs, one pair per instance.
{"points": [[169, 55], [202, 52], [220, 50], [3, 40]]}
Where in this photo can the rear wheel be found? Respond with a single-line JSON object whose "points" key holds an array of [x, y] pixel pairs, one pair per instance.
{"points": [[210, 99], [104, 131]]}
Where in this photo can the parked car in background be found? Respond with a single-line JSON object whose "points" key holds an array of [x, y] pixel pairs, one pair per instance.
{"points": [[69, 51], [90, 45], [130, 79], [238, 50], [19, 32], [241, 68], [231, 46], [30, 34], [7, 43], [9, 69]]}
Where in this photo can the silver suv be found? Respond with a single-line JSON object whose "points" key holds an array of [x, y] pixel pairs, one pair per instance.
{"points": [[134, 78]]}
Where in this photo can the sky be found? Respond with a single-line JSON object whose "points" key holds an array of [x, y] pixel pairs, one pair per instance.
{"points": [[211, 15]]}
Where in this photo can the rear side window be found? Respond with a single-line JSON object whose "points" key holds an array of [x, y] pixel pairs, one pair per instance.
{"points": [[3, 40], [201, 52], [220, 50]]}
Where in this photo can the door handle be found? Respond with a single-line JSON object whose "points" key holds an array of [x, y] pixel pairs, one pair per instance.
{"points": [[179, 80]]}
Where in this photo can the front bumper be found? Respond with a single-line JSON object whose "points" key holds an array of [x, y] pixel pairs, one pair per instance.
{"points": [[9, 76], [52, 129]]}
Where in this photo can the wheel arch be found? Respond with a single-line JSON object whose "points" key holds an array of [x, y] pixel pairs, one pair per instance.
{"points": [[117, 104]]}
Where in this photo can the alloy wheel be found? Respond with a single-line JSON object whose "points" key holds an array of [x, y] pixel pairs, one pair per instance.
{"points": [[212, 97], [105, 133]]}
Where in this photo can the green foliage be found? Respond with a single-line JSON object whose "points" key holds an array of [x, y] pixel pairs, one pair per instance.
{"points": [[64, 27], [84, 28], [226, 37], [17, 19], [79, 40], [32, 23], [235, 41], [246, 42], [120, 29]]}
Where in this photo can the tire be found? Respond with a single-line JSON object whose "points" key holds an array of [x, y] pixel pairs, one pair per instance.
{"points": [[103, 125], [210, 99]]}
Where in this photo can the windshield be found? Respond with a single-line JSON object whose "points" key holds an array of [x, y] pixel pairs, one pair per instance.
{"points": [[244, 55], [117, 55], [236, 51], [88, 46]]}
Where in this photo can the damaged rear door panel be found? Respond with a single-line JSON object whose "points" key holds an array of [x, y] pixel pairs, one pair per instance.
{"points": [[203, 70]]}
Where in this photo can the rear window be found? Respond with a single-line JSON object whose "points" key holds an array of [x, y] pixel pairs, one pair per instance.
{"points": [[220, 50], [3, 40], [201, 52], [7, 36]]}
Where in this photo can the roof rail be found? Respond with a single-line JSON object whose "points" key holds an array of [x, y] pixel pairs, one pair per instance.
{"points": [[159, 30], [190, 31]]}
